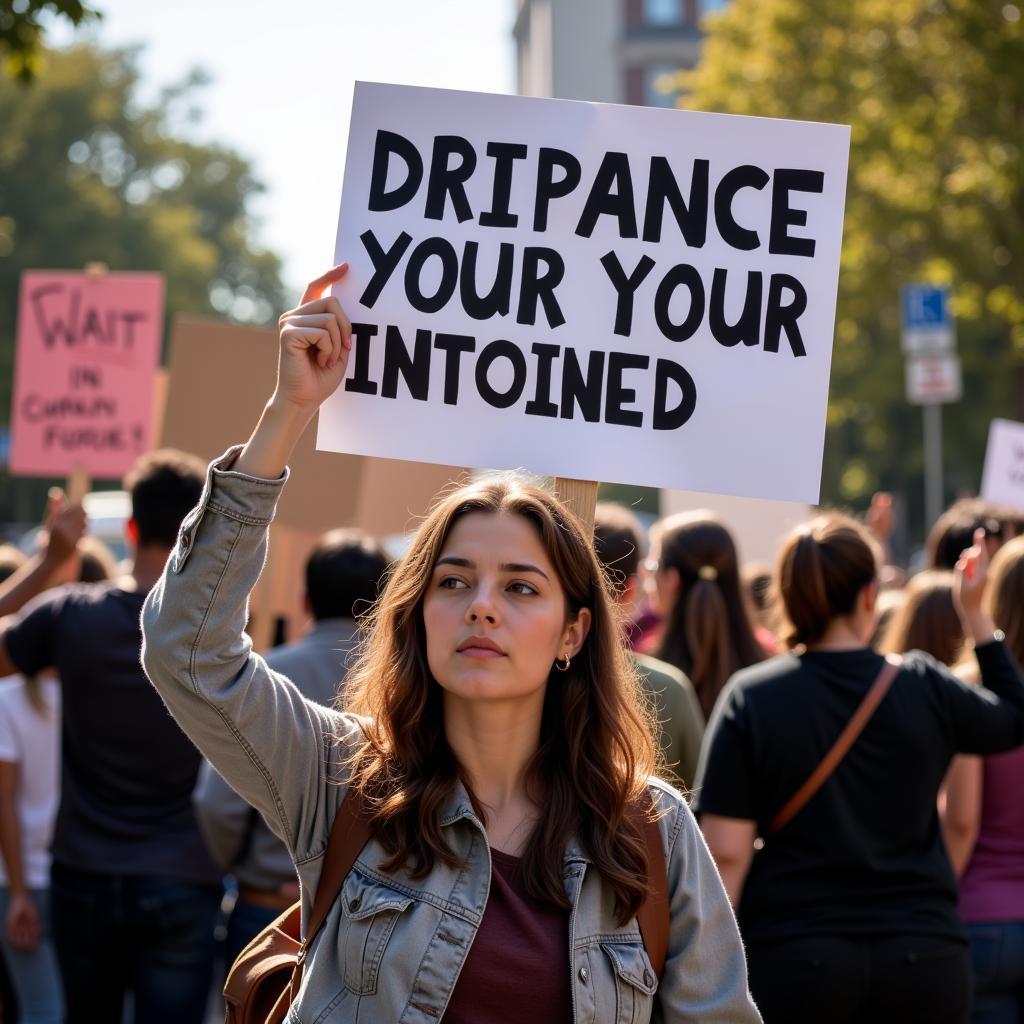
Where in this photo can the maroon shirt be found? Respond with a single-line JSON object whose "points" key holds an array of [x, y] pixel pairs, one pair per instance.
{"points": [[518, 966]]}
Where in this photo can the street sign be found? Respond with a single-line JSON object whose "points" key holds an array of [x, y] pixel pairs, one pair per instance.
{"points": [[927, 324], [933, 379]]}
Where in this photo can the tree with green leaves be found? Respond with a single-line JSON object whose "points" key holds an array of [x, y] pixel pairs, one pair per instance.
{"points": [[934, 93], [21, 31], [90, 173]]}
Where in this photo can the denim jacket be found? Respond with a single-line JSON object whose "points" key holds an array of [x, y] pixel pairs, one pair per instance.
{"points": [[393, 946]]}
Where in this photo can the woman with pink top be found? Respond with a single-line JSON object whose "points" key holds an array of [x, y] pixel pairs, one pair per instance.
{"points": [[983, 825]]}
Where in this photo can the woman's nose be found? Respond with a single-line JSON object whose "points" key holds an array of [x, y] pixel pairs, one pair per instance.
{"points": [[481, 608]]}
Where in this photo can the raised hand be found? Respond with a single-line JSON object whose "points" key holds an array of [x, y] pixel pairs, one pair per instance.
{"points": [[65, 525], [969, 589], [316, 338]]}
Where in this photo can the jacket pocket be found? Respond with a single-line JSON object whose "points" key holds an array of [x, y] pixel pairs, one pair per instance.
{"points": [[370, 912], [635, 982]]}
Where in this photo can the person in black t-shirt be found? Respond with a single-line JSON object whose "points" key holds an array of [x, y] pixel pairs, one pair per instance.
{"points": [[134, 891], [849, 911]]}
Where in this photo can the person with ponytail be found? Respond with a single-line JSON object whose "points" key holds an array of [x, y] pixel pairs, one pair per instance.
{"points": [[983, 824], [848, 906], [492, 736], [708, 632]]}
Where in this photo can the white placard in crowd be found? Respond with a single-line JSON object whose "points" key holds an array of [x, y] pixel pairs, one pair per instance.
{"points": [[1002, 481], [586, 290]]}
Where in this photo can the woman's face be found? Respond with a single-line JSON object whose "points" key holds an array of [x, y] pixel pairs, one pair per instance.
{"points": [[495, 611], [660, 584]]}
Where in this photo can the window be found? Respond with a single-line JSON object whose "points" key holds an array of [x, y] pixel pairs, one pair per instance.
{"points": [[711, 6], [661, 86], [663, 12]]}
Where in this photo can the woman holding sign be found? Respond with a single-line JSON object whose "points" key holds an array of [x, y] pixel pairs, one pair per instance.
{"points": [[493, 738], [834, 755]]}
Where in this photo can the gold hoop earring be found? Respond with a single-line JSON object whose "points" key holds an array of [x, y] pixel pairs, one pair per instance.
{"points": [[565, 667]]}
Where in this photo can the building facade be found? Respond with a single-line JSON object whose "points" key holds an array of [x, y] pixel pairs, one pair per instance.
{"points": [[611, 51]]}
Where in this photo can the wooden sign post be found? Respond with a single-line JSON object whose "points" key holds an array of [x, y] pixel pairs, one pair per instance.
{"points": [[580, 496]]}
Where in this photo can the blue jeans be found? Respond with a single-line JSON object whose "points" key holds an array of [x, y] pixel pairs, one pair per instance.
{"points": [[997, 959], [34, 976], [120, 933]]}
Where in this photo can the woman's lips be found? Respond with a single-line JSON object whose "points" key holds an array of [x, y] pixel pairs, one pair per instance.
{"points": [[481, 652]]}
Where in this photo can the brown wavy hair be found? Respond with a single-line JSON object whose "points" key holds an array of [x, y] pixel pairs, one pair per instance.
{"points": [[596, 750], [1004, 595], [927, 620], [709, 631]]}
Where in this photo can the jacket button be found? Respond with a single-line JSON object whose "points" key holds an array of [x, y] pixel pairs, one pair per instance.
{"points": [[353, 905], [584, 975], [648, 979]]}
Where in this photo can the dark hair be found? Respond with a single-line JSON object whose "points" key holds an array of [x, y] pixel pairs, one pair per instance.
{"points": [[709, 632], [165, 486], [618, 541], [596, 747], [822, 569], [96, 561], [927, 619], [344, 574], [953, 531]]}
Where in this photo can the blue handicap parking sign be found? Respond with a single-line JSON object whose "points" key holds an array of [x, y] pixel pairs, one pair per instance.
{"points": [[925, 306]]}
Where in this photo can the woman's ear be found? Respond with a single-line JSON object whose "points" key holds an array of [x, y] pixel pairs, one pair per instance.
{"points": [[576, 632], [869, 597]]}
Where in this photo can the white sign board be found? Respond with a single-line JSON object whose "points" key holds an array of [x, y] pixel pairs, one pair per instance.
{"points": [[933, 379], [1003, 479], [589, 291]]}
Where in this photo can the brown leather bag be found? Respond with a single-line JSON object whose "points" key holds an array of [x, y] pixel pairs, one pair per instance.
{"points": [[264, 981]]}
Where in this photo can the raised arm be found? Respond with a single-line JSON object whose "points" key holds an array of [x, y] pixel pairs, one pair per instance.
{"points": [[987, 719], [273, 746]]}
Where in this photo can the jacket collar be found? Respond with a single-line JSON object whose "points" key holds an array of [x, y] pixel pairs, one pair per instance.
{"points": [[458, 807]]}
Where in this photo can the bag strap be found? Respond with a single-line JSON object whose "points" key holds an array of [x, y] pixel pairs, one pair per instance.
{"points": [[829, 763], [653, 915], [349, 834]]}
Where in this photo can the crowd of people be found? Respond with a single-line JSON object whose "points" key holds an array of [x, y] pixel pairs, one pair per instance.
{"points": [[499, 700]]}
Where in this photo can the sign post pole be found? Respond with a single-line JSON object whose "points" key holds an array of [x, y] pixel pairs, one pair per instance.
{"points": [[580, 496], [933, 377], [933, 484]]}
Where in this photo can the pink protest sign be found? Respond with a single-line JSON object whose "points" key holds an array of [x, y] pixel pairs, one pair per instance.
{"points": [[87, 351]]}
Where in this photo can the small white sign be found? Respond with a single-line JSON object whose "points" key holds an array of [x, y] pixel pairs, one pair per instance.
{"points": [[933, 379], [929, 340], [1003, 479], [589, 291]]}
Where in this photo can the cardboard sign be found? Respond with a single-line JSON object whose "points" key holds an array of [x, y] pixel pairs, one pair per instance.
{"points": [[220, 375], [586, 290], [1002, 481], [87, 349]]}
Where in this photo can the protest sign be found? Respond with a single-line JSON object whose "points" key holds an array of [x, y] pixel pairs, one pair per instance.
{"points": [[1002, 481], [87, 348], [592, 291]]}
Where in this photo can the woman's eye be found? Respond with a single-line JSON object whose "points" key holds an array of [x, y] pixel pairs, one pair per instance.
{"points": [[521, 588], [452, 583]]}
